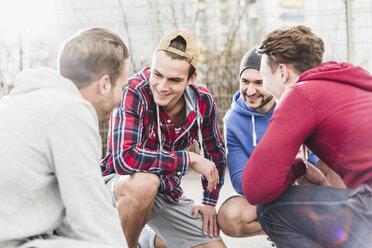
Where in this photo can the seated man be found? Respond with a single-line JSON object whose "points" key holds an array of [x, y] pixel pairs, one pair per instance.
{"points": [[161, 114], [245, 124], [327, 107], [52, 192]]}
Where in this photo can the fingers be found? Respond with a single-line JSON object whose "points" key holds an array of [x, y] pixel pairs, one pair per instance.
{"points": [[195, 212], [211, 227], [315, 176], [217, 176], [323, 181], [206, 168], [210, 183], [215, 227], [209, 221], [205, 225], [213, 178]]}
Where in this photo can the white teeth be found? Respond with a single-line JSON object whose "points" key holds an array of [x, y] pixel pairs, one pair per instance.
{"points": [[161, 93], [250, 97]]}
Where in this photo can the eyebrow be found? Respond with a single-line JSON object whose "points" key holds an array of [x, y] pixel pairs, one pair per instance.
{"points": [[157, 72], [178, 79], [171, 78], [246, 80]]}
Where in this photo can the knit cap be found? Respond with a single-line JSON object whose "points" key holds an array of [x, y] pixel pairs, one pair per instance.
{"points": [[250, 60]]}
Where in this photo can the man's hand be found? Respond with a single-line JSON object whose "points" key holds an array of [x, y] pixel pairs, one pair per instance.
{"points": [[206, 168], [209, 219], [333, 178], [313, 176]]}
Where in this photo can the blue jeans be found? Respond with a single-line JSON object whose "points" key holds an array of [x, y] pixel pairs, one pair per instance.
{"points": [[318, 216]]}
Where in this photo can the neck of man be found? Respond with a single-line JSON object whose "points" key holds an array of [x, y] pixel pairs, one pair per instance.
{"points": [[178, 113], [291, 80]]}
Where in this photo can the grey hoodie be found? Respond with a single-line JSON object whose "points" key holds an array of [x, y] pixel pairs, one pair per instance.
{"points": [[49, 159]]}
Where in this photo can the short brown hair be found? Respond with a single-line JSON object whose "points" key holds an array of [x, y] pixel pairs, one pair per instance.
{"points": [[296, 46], [92, 54]]}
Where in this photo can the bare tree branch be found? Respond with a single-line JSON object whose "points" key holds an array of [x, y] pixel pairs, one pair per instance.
{"points": [[236, 27], [125, 23], [174, 18]]}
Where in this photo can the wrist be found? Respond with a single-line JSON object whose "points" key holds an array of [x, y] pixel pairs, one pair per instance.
{"points": [[192, 158]]}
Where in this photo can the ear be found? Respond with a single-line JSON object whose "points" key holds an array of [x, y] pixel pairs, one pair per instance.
{"points": [[104, 85], [192, 79], [284, 73]]}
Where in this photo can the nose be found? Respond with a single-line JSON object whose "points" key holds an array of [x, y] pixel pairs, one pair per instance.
{"points": [[162, 84], [251, 89]]}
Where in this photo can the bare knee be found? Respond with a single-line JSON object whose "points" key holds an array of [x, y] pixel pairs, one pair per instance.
{"points": [[140, 188], [228, 217], [213, 244], [236, 216]]}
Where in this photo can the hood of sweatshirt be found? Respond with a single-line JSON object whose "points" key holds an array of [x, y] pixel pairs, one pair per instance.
{"points": [[344, 73], [42, 78], [238, 105]]}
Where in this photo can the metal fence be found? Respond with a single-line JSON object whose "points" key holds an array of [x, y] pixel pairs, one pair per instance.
{"points": [[225, 30]]}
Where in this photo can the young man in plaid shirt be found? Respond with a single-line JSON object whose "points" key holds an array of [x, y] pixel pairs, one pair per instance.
{"points": [[161, 114]]}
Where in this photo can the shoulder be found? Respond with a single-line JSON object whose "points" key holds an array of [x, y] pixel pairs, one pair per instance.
{"points": [[139, 86], [234, 119], [299, 92], [76, 117], [78, 109], [229, 115], [61, 102], [205, 101], [140, 79], [205, 95]]}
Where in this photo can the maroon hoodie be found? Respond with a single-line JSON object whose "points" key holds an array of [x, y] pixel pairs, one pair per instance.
{"points": [[329, 109]]}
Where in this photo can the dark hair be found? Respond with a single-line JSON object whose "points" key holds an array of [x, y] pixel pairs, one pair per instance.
{"points": [[92, 54], [297, 46], [179, 43]]}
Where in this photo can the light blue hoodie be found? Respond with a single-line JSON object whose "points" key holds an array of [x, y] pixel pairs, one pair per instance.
{"points": [[244, 128]]}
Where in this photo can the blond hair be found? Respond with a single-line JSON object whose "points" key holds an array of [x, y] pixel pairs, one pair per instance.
{"points": [[90, 55]]}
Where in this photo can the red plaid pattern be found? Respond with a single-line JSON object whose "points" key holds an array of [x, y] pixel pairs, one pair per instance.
{"points": [[133, 143]]}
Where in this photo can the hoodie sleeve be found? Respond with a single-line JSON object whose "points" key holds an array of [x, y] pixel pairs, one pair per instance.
{"points": [[236, 158], [75, 148], [272, 168], [312, 158]]}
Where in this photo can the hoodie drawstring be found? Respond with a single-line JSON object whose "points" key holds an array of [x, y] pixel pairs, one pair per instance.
{"points": [[200, 136], [254, 135]]}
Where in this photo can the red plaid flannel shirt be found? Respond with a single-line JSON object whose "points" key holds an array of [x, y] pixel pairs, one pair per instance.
{"points": [[133, 143]]}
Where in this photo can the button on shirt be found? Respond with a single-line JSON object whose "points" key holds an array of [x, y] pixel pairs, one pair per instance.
{"points": [[133, 145]]}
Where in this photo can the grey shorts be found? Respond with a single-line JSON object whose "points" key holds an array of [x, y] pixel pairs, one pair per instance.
{"points": [[173, 222]]}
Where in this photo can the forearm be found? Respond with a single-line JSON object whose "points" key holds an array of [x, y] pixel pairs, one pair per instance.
{"points": [[333, 178], [132, 160]]}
